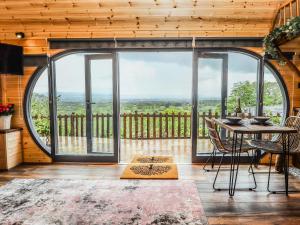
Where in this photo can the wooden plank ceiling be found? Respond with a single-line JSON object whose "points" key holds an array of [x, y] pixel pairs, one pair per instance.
{"points": [[136, 18]]}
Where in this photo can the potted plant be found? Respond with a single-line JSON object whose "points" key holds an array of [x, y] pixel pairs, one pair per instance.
{"points": [[6, 112], [43, 129]]}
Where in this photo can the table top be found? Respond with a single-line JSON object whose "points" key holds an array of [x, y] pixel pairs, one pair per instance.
{"points": [[248, 128], [10, 130]]}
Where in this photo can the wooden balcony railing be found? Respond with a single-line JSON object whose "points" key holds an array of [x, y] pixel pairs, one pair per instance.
{"points": [[136, 125], [286, 11]]}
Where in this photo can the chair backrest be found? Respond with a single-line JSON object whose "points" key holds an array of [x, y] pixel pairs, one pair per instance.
{"points": [[292, 122], [214, 135]]}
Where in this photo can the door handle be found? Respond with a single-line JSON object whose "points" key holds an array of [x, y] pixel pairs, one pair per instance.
{"points": [[91, 103]]}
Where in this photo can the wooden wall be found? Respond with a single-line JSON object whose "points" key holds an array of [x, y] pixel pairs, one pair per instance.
{"points": [[12, 91], [13, 87], [137, 18], [292, 78]]}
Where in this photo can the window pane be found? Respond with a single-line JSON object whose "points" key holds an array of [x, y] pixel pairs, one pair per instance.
{"points": [[242, 76], [71, 111], [40, 108], [273, 97], [210, 72], [155, 93], [102, 107]]}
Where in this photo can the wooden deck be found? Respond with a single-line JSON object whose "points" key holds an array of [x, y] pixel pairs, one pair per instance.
{"points": [[246, 207], [180, 149]]}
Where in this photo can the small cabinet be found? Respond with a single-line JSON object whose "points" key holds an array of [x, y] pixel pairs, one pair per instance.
{"points": [[11, 153]]}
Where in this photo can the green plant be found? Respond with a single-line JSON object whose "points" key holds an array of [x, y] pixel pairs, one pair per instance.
{"points": [[288, 31], [42, 127]]}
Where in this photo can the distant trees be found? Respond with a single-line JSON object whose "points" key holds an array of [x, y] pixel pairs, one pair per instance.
{"points": [[272, 94], [246, 91], [39, 104], [40, 112]]}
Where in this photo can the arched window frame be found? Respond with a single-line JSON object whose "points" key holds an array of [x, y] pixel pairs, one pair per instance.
{"points": [[39, 71], [27, 108]]}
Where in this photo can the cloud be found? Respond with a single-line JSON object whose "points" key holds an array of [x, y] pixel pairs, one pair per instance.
{"points": [[152, 74], [141, 79], [180, 58], [41, 85]]}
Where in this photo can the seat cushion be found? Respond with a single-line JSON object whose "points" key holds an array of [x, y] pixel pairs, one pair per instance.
{"points": [[267, 146], [245, 146]]}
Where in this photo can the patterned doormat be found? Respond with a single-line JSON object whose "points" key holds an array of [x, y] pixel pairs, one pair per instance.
{"points": [[152, 159], [151, 167], [150, 171], [103, 202]]}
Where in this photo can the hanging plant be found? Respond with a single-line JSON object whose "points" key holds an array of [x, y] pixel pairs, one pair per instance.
{"points": [[287, 32]]}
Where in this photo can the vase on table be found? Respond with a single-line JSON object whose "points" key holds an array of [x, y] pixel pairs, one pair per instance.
{"points": [[5, 122], [6, 112]]}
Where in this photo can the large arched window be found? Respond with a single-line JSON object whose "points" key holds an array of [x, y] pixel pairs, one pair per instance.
{"points": [[72, 87]]}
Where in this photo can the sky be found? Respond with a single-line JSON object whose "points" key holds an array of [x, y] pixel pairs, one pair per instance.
{"points": [[152, 75]]}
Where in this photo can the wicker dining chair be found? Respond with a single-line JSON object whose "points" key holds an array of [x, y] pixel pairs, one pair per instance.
{"points": [[274, 147], [212, 155], [225, 148]]}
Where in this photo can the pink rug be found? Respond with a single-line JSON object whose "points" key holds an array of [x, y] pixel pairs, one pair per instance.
{"points": [[106, 202]]}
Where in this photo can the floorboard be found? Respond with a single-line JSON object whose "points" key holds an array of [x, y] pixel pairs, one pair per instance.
{"points": [[246, 207]]}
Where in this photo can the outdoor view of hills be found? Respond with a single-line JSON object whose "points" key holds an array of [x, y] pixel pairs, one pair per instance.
{"points": [[71, 103], [75, 102]]}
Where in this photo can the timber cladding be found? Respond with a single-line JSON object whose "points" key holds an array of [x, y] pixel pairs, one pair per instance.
{"points": [[12, 91], [13, 88], [136, 18]]}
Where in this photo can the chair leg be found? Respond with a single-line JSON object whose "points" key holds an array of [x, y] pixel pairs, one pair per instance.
{"points": [[252, 172], [211, 156], [269, 178], [252, 160], [269, 175], [218, 189], [213, 159]]}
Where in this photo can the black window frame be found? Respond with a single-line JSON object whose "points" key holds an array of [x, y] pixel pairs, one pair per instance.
{"points": [[50, 151]]}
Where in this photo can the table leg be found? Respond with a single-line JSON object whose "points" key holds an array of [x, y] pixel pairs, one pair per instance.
{"points": [[235, 161], [238, 161], [234, 139], [286, 151]]}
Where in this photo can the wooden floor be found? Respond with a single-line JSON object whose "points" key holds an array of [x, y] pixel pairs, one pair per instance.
{"points": [[179, 149], [246, 207]]}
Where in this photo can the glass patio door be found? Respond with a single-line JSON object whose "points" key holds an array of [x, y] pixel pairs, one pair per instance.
{"points": [[210, 75], [91, 132]]}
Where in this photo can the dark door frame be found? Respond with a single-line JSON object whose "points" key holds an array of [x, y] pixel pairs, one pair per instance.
{"points": [[198, 54], [224, 76], [94, 157], [89, 96], [218, 54]]}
